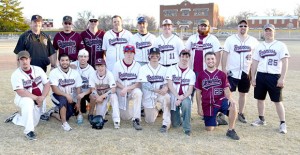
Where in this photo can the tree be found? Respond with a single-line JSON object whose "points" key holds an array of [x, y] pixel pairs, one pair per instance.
{"points": [[11, 16], [83, 19], [275, 12], [297, 10], [233, 20], [152, 25]]}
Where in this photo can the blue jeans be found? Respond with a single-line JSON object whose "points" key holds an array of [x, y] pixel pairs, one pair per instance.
{"points": [[186, 115]]}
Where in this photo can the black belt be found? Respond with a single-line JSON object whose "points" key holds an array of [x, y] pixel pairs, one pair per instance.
{"points": [[169, 65]]}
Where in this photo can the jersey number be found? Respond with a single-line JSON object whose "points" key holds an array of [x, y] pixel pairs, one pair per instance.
{"points": [[172, 56], [272, 62]]}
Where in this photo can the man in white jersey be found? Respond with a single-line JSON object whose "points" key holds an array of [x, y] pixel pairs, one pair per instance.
{"points": [[125, 73], [103, 86], [31, 86], [114, 41], [169, 45], [181, 81], [65, 83], [270, 64], [236, 62], [155, 90], [142, 41]]}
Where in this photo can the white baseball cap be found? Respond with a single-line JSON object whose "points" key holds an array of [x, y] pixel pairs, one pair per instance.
{"points": [[167, 22], [83, 52]]}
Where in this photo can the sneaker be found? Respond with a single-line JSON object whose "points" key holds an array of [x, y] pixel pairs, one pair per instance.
{"points": [[282, 128], [187, 132], [232, 134], [163, 129], [50, 112], [242, 118], [45, 117], [31, 136], [66, 126], [221, 119], [79, 119], [11, 117], [90, 118], [117, 125], [136, 124], [258, 122]]}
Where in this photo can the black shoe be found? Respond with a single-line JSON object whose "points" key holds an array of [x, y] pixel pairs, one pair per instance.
{"points": [[232, 134], [142, 113], [221, 119], [187, 132], [136, 124], [10, 118], [31, 136], [163, 129], [45, 117]]}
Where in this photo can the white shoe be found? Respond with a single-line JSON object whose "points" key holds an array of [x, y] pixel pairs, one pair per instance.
{"points": [[282, 128], [117, 125], [258, 122], [79, 119], [66, 126]]}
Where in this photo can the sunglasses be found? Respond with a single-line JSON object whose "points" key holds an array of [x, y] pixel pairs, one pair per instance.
{"points": [[67, 23], [243, 26], [129, 49], [203, 25], [156, 55], [93, 21]]}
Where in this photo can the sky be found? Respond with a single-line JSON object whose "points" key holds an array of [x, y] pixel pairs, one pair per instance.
{"points": [[130, 9]]}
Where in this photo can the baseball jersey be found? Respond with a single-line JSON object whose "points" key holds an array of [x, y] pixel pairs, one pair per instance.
{"points": [[169, 49], [269, 56], [69, 43], [85, 74], [113, 44], [66, 82], [185, 79], [21, 80], [102, 84], [199, 47], [239, 54], [157, 79], [93, 44], [142, 46], [212, 87]]}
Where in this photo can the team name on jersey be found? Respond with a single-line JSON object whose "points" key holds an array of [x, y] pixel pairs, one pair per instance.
{"points": [[85, 82], [117, 41], [209, 83], [178, 80], [240, 49], [267, 52], [66, 82], [91, 42], [64, 44], [164, 48], [127, 76], [155, 78], [142, 45], [28, 83], [196, 46]]}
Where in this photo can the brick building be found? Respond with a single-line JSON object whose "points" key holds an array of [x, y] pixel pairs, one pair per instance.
{"points": [[186, 15], [281, 22]]}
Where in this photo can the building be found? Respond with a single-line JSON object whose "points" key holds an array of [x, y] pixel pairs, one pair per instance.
{"points": [[47, 23], [186, 16], [281, 22]]}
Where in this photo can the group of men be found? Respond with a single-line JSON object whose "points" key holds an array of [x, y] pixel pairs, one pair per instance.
{"points": [[156, 73]]}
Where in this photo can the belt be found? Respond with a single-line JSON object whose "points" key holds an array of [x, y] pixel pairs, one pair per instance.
{"points": [[169, 65]]}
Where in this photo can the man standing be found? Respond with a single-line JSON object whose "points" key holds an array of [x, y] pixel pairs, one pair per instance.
{"points": [[181, 81], [213, 91], [236, 62], [68, 41], [31, 86], [38, 44], [65, 83], [125, 73], [93, 40], [154, 86], [169, 45], [114, 42], [142, 41], [270, 62]]}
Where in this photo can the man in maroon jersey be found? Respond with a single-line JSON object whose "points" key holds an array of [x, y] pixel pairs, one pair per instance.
{"points": [[68, 41], [93, 39], [213, 91]]}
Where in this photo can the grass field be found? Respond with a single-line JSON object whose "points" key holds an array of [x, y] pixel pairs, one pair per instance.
{"points": [[126, 140]]}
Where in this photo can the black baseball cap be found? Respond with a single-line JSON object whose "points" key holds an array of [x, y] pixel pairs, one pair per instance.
{"points": [[141, 20], [67, 19], [154, 50], [242, 21], [36, 18]]}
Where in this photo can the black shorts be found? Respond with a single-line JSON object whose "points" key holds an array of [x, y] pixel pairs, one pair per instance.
{"points": [[83, 103], [267, 83], [243, 84]]}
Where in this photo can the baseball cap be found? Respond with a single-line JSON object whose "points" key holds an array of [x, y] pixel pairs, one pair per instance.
{"points": [[141, 20], [67, 19], [204, 21], [129, 48], [154, 50], [93, 19], [36, 18], [167, 22], [185, 52], [83, 52], [242, 21], [23, 54], [269, 26], [100, 61]]}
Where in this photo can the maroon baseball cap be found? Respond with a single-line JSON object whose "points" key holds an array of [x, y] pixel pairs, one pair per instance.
{"points": [[36, 18], [129, 48], [100, 61]]}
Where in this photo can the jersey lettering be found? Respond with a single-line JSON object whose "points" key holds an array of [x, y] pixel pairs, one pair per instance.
{"points": [[127, 76], [142, 45], [165, 48], [209, 83], [115, 41], [267, 52], [240, 49], [154, 79], [66, 82]]}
